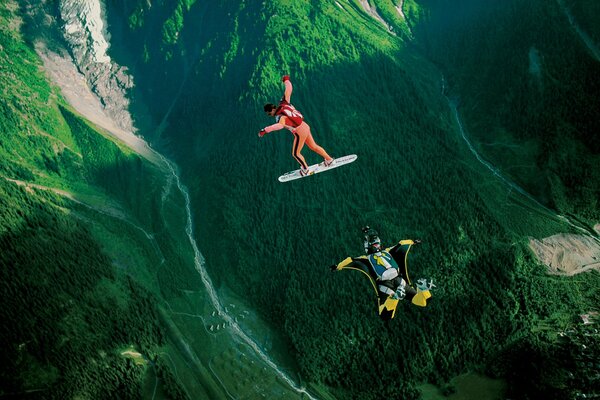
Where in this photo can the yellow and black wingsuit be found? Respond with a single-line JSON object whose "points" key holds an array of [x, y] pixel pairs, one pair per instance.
{"points": [[387, 303]]}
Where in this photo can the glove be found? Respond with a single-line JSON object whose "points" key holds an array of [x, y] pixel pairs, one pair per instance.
{"points": [[399, 294], [417, 241], [262, 133], [285, 78], [333, 267]]}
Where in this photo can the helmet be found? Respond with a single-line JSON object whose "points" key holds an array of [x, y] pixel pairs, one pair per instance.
{"points": [[371, 243]]}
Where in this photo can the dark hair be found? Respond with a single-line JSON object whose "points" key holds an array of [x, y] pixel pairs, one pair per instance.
{"points": [[269, 107]]}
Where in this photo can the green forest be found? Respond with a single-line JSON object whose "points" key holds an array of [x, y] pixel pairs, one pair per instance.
{"points": [[368, 91], [95, 259], [77, 267], [533, 94]]}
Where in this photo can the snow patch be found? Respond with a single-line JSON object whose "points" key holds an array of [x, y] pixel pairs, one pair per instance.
{"points": [[85, 30], [403, 16]]}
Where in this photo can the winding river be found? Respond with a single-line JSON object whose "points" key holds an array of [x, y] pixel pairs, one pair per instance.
{"points": [[230, 321]]}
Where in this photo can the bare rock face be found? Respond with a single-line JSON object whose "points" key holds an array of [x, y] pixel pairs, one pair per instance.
{"points": [[85, 31], [567, 254], [372, 11]]}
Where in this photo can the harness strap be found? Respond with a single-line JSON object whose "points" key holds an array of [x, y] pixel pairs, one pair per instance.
{"points": [[386, 290]]}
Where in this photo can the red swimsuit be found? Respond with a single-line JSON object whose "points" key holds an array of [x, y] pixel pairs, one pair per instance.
{"points": [[293, 118]]}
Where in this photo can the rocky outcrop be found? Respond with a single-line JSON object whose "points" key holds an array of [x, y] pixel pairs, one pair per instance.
{"points": [[372, 11], [567, 254], [84, 29]]}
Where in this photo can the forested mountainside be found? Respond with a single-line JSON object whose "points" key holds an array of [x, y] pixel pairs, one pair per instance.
{"points": [[524, 75], [84, 252], [366, 84]]}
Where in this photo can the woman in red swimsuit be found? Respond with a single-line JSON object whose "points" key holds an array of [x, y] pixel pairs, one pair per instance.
{"points": [[286, 116]]}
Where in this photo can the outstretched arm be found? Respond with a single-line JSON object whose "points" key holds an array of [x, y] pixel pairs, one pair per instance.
{"points": [[287, 95], [348, 262], [399, 251], [275, 127]]}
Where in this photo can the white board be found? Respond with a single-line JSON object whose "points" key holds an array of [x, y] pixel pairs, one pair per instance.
{"points": [[318, 168]]}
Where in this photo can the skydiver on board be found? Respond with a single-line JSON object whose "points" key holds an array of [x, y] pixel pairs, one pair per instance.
{"points": [[286, 116]]}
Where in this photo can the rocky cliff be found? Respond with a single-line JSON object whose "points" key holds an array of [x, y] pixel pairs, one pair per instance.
{"points": [[84, 29]]}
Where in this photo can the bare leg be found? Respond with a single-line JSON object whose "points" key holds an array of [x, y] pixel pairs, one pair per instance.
{"points": [[297, 148], [310, 142]]}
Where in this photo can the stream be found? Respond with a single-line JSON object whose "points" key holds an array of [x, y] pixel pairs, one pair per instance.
{"points": [[231, 322]]}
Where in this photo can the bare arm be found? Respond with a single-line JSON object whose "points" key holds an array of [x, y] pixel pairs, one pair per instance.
{"points": [[287, 95], [275, 127], [288, 91]]}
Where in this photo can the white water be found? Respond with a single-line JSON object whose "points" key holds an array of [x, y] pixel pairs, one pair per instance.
{"points": [[230, 321], [199, 260], [93, 109]]}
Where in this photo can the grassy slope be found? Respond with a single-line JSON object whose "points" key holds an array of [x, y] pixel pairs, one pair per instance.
{"points": [[363, 91], [80, 276]]}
